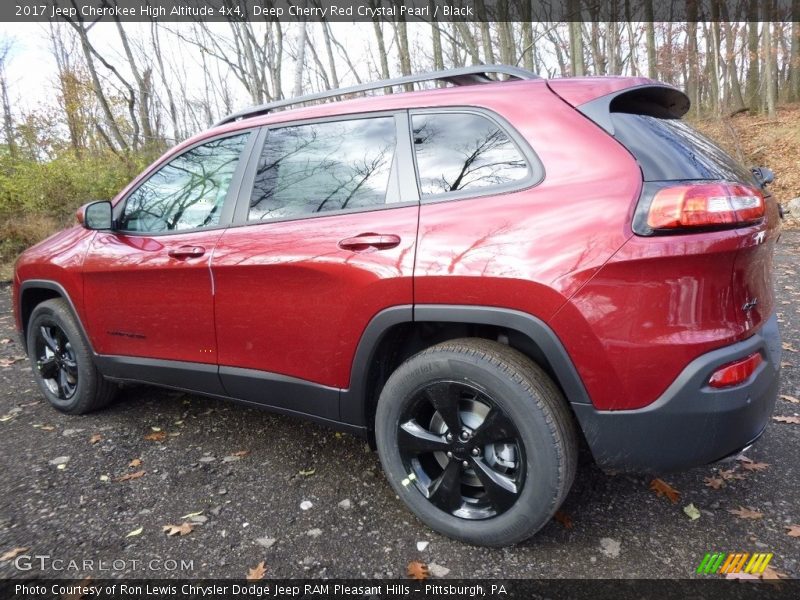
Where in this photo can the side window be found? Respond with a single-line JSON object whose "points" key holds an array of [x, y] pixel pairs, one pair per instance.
{"points": [[336, 165], [463, 151], [186, 193]]}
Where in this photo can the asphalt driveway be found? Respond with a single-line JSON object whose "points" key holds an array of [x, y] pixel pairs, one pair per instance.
{"points": [[312, 503]]}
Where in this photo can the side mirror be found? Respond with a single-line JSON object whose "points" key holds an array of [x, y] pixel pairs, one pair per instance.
{"points": [[764, 175], [95, 215]]}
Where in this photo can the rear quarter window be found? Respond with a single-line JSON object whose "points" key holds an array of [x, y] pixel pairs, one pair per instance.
{"points": [[671, 150]]}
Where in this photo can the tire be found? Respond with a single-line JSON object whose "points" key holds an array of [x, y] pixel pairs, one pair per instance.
{"points": [[62, 361], [505, 481]]}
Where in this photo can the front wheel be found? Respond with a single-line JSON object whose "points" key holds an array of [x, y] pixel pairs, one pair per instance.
{"points": [[62, 361], [477, 440]]}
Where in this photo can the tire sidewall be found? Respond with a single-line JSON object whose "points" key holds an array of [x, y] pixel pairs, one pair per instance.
{"points": [[538, 435], [52, 313]]}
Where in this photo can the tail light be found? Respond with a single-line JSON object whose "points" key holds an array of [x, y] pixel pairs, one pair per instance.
{"points": [[690, 206], [736, 372]]}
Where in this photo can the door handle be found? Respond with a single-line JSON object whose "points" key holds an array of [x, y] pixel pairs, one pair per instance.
{"points": [[367, 241], [184, 252]]}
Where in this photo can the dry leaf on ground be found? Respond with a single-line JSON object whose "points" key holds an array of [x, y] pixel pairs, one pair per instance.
{"points": [[13, 553], [787, 419], [417, 570], [129, 476], [793, 530], [754, 466], [136, 462], [156, 436], [564, 519], [789, 398], [746, 513], [257, 572], [662, 488], [184, 528], [714, 482], [96, 438]]}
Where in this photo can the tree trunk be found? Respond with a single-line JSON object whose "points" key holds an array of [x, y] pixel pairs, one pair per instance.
{"points": [[300, 60], [770, 70], [794, 55], [575, 38], [650, 40], [751, 85]]}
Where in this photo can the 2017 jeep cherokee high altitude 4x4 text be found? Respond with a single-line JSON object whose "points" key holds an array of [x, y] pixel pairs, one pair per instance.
{"points": [[472, 277]]}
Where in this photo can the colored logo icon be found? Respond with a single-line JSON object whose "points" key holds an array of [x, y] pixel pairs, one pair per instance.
{"points": [[739, 562]]}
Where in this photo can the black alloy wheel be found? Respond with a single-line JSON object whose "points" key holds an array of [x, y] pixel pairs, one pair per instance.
{"points": [[461, 450]]}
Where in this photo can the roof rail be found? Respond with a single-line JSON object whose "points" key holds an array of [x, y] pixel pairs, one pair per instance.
{"points": [[459, 76]]}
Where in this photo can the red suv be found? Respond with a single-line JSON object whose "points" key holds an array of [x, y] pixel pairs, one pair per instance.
{"points": [[473, 277]]}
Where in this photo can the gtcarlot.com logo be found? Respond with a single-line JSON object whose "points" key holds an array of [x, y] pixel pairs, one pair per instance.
{"points": [[737, 562], [45, 562]]}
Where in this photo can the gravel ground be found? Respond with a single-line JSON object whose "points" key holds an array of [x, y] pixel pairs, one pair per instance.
{"points": [[252, 502]]}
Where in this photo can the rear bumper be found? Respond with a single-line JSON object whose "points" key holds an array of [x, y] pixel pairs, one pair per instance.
{"points": [[691, 423]]}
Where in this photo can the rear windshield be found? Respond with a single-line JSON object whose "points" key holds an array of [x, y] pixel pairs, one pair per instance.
{"points": [[670, 150]]}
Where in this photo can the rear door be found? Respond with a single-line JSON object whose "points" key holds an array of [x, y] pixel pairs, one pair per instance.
{"points": [[148, 288], [323, 242]]}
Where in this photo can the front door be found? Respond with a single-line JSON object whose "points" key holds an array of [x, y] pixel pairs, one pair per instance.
{"points": [[147, 284]]}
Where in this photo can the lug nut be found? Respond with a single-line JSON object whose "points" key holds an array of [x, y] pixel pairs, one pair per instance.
{"points": [[465, 464], [449, 454], [449, 437], [465, 435], [475, 452]]}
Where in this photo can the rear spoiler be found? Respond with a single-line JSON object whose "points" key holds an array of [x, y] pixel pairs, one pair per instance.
{"points": [[651, 99]]}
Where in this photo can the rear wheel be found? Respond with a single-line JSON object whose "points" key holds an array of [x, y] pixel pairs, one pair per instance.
{"points": [[477, 441], [62, 361]]}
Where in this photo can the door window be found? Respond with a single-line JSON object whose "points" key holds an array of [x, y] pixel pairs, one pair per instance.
{"points": [[463, 151], [186, 193], [322, 167]]}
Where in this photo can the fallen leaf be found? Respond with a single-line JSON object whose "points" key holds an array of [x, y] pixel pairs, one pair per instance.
{"points": [[47, 428], [257, 572], [136, 462], [184, 528], [785, 419], [156, 436], [793, 530], [662, 488], [156, 429], [5, 341], [754, 466], [564, 519], [241, 453], [129, 476], [104, 478], [728, 474], [135, 532], [789, 398], [7, 362], [714, 482], [771, 574], [307, 472], [746, 513], [13, 553], [691, 511], [95, 438], [5, 418], [788, 347], [192, 514], [417, 570]]}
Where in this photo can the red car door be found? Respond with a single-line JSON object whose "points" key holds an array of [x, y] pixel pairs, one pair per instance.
{"points": [[327, 242], [147, 284]]}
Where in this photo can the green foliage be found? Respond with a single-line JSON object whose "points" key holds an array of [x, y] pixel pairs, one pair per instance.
{"points": [[38, 197]]}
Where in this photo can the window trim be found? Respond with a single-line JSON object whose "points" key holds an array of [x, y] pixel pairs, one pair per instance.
{"points": [[535, 174], [228, 205], [405, 190]]}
